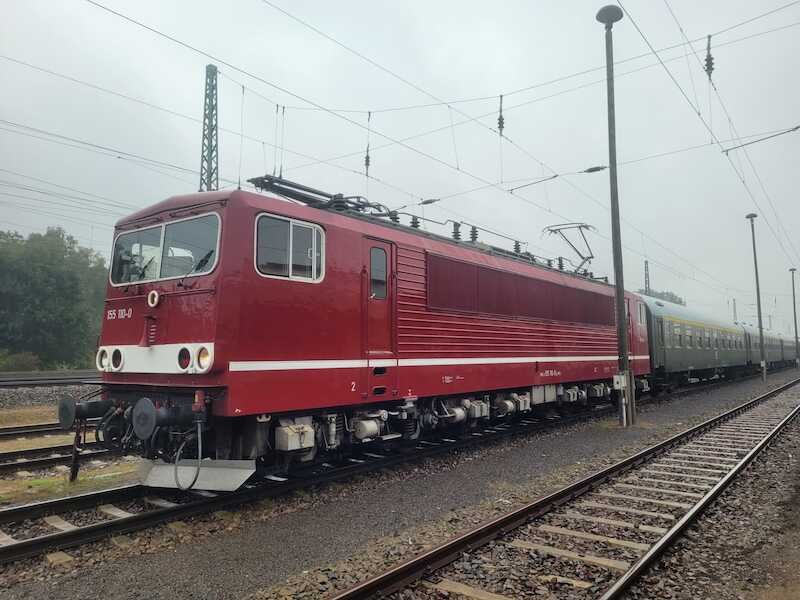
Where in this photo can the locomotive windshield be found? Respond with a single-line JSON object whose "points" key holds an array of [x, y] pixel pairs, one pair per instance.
{"points": [[180, 249]]}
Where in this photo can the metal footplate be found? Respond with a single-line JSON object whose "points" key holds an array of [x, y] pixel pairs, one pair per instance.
{"points": [[216, 475]]}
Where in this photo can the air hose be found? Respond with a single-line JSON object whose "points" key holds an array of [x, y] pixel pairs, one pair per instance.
{"points": [[199, 458]]}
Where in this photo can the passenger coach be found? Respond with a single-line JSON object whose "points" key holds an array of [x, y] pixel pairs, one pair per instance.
{"points": [[687, 345]]}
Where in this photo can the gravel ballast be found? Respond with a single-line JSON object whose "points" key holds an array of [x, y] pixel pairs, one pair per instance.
{"points": [[745, 546], [311, 543], [41, 395]]}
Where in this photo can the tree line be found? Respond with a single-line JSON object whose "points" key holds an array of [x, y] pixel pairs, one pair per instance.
{"points": [[51, 301]]}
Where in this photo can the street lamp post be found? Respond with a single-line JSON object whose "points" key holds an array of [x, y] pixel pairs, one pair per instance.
{"points": [[752, 217], [608, 15], [794, 308]]}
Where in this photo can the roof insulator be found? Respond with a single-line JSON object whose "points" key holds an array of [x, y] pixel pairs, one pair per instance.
{"points": [[473, 234], [415, 221], [501, 122], [366, 156], [517, 247], [394, 217], [456, 230], [709, 59]]}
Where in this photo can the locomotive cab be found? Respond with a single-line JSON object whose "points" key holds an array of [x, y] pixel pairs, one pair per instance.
{"points": [[159, 350]]}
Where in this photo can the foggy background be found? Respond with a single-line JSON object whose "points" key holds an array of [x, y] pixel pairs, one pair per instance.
{"points": [[683, 211]]}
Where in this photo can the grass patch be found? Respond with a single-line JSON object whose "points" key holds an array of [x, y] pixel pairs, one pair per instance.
{"points": [[39, 441], [28, 415], [17, 491]]}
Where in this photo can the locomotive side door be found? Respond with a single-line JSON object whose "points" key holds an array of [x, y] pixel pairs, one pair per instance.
{"points": [[378, 320]]}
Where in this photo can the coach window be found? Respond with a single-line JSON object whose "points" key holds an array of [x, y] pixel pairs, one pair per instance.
{"points": [[641, 314], [377, 273], [289, 248]]}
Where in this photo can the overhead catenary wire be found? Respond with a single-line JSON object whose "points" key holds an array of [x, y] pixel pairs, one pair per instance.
{"points": [[768, 137], [709, 129], [75, 201], [297, 96], [453, 135], [491, 114], [329, 162], [107, 200], [67, 204], [513, 92], [275, 143], [325, 109], [241, 139], [283, 137], [415, 86], [666, 267], [94, 3], [708, 67]]}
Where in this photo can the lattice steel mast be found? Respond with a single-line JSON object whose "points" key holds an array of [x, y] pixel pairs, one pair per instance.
{"points": [[209, 157]]}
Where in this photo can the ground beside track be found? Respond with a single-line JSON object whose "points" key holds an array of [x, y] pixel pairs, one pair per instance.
{"points": [[310, 543]]}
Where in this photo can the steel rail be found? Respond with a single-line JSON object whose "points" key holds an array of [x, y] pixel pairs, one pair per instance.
{"points": [[400, 576], [13, 431], [40, 458], [48, 378]]}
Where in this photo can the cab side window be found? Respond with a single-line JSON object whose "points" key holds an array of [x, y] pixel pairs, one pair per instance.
{"points": [[289, 248], [377, 273]]}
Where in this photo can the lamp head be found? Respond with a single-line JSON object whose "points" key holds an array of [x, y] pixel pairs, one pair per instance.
{"points": [[750, 216], [609, 15]]}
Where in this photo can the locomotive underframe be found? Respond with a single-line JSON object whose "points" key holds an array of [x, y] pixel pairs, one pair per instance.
{"points": [[164, 425]]}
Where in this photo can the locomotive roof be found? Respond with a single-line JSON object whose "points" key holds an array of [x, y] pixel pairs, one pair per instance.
{"points": [[384, 221], [174, 204]]}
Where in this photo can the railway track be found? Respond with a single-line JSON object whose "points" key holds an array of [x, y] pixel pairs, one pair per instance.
{"points": [[33, 529], [54, 428], [44, 458], [594, 538], [48, 378], [36, 429]]}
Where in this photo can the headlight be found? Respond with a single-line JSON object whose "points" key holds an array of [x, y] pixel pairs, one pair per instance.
{"points": [[203, 359], [102, 359], [184, 358], [116, 359]]}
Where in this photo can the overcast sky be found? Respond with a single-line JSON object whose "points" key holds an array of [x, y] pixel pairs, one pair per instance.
{"points": [[684, 211]]}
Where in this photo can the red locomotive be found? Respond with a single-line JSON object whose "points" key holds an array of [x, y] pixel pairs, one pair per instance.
{"points": [[255, 332]]}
